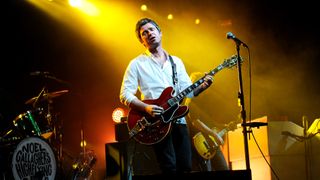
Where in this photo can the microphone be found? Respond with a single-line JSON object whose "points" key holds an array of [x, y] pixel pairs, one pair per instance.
{"points": [[235, 39], [39, 73]]}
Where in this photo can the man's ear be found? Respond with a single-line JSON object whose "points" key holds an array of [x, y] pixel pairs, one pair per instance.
{"points": [[143, 43]]}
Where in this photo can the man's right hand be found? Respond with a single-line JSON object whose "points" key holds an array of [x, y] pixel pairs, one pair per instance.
{"points": [[154, 110]]}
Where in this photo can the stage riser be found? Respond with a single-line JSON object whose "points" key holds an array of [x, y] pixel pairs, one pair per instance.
{"points": [[120, 155]]}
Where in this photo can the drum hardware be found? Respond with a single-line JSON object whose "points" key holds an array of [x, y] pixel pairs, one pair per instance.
{"points": [[38, 132], [48, 75], [19, 122], [57, 138], [33, 123], [46, 96], [42, 122], [10, 138], [82, 167]]}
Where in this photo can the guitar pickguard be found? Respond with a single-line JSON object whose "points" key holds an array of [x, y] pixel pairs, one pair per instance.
{"points": [[168, 113]]}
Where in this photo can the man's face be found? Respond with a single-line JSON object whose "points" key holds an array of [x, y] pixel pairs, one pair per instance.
{"points": [[150, 36]]}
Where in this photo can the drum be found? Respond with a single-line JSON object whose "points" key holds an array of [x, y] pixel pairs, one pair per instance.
{"points": [[33, 123], [33, 158]]}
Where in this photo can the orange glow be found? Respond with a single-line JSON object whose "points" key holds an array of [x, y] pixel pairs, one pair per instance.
{"points": [[225, 23], [117, 114], [282, 152], [257, 163], [83, 143]]}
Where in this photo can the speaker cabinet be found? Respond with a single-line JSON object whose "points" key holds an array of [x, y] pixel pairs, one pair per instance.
{"points": [[129, 158], [121, 132], [116, 161]]}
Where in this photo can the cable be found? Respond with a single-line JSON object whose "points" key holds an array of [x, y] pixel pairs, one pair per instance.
{"points": [[264, 156], [130, 171], [250, 86]]}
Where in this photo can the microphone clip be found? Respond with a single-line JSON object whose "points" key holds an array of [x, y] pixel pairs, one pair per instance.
{"points": [[238, 42]]}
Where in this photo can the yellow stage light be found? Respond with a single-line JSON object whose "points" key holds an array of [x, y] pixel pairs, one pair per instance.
{"points": [[197, 21], [144, 7]]}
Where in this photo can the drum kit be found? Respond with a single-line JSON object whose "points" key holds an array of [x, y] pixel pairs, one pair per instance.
{"points": [[33, 142], [31, 148]]}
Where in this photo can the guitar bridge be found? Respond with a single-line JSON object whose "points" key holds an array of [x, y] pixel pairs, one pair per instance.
{"points": [[140, 125]]}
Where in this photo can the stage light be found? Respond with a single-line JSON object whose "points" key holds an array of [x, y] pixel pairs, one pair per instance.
{"points": [[85, 6], [314, 128], [83, 143], [144, 7], [76, 3], [197, 21], [170, 16], [117, 114]]}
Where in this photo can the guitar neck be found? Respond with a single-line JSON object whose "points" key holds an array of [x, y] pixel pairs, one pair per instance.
{"points": [[223, 132], [192, 87]]}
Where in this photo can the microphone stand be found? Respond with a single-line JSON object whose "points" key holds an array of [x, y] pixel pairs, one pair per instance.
{"points": [[242, 111]]}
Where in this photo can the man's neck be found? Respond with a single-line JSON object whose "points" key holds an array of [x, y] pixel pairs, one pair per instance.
{"points": [[159, 54]]}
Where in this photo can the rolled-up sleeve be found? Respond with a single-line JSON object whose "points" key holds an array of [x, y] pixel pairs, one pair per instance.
{"points": [[129, 84]]}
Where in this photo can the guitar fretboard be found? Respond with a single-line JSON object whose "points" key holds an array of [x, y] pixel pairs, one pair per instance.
{"points": [[192, 87]]}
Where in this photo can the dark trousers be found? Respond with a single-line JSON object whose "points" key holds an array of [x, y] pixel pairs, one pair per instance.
{"points": [[174, 152], [218, 162]]}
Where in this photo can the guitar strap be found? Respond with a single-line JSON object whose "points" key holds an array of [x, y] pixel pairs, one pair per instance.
{"points": [[174, 79], [174, 71]]}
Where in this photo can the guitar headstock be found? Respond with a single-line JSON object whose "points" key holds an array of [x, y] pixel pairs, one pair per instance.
{"points": [[232, 125], [232, 61]]}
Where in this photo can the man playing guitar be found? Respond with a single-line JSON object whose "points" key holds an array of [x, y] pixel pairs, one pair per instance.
{"points": [[152, 73], [212, 157]]}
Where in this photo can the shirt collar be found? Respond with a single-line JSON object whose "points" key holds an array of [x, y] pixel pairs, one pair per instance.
{"points": [[148, 53]]}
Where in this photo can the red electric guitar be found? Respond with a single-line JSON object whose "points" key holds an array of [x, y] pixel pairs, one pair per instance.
{"points": [[150, 130]]}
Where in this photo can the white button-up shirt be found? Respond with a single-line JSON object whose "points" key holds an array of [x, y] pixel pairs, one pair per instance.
{"points": [[151, 78]]}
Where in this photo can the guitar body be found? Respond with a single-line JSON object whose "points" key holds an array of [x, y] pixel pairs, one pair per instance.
{"points": [[205, 146], [150, 130]]}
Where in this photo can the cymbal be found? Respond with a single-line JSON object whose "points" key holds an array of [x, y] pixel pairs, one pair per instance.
{"points": [[48, 96]]}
